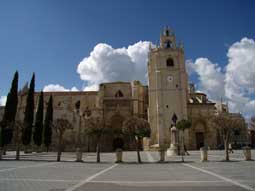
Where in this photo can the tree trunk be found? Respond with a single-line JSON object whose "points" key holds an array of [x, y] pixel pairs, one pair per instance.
{"points": [[88, 149], [18, 152], [182, 145], [226, 150], [38, 149], [17, 141], [4, 150], [1, 153], [138, 150], [59, 148], [59, 155], [98, 152]]}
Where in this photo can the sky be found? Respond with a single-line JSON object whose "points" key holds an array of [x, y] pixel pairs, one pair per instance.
{"points": [[75, 45]]}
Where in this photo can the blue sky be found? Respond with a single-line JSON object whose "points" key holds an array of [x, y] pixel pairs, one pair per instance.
{"points": [[51, 37]]}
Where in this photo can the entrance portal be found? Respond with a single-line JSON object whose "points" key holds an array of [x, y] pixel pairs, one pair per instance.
{"points": [[199, 139]]}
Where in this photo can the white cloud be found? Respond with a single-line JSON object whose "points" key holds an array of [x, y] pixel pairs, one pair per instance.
{"points": [[107, 64], [74, 89], [57, 88], [211, 78], [190, 67], [93, 87], [240, 76], [3, 100], [237, 83]]}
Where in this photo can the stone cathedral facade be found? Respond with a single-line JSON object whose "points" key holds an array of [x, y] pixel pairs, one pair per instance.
{"points": [[167, 93]]}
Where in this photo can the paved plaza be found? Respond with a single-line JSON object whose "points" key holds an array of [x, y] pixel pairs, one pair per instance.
{"points": [[40, 172]]}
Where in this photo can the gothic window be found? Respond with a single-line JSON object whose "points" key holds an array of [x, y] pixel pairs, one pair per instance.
{"points": [[169, 62], [119, 94], [167, 32]]}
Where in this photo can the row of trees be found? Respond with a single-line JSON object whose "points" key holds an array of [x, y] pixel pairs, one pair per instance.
{"points": [[224, 123], [137, 128], [39, 129]]}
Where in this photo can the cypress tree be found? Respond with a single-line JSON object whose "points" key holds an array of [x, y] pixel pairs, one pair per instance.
{"points": [[10, 110], [48, 124], [39, 122], [29, 114]]}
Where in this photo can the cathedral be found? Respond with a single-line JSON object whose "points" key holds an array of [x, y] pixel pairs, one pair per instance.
{"points": [[168, 93]]}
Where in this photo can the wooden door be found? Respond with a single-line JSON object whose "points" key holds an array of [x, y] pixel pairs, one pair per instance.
{"points": [[200, 139]]}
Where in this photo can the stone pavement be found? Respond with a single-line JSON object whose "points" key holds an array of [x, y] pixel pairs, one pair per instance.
{"points": [[40, 172]]}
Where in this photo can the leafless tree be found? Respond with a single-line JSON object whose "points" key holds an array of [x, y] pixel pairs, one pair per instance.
{"points": [[137, 128], [226, 124], [97, 127], [60, 126]]}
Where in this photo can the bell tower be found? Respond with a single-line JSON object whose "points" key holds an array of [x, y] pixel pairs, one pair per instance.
{"points": [[167, 87]]}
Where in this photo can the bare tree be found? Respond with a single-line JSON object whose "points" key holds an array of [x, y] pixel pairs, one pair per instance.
{"points": [[226, 124], [61, 125], [137, 128], [97, 127], [182, 125]]}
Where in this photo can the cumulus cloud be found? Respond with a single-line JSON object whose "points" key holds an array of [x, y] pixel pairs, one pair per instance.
{"points": [[210, 76], [57, 88], [240, 76], [3, 100], [107, 64], [236, 83], [190, 67]]}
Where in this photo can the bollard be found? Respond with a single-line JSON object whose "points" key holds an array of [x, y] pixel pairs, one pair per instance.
{"points": [[247, 153], [118, 155], [203, 153], [78, 155]]}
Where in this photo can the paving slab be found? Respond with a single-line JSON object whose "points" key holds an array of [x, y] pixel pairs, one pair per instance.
{"points": [[34, 172]]}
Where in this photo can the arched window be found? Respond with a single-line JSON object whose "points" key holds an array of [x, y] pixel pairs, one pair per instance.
{"points": [[169, 62], [168, 44], [119, 94], [167, 32]]}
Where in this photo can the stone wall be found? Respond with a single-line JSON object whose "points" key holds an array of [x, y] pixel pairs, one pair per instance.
{"points": [[201, 133], [115, 102]]}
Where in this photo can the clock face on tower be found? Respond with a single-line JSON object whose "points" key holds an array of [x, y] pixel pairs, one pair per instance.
{"points": [[170, 78]]}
